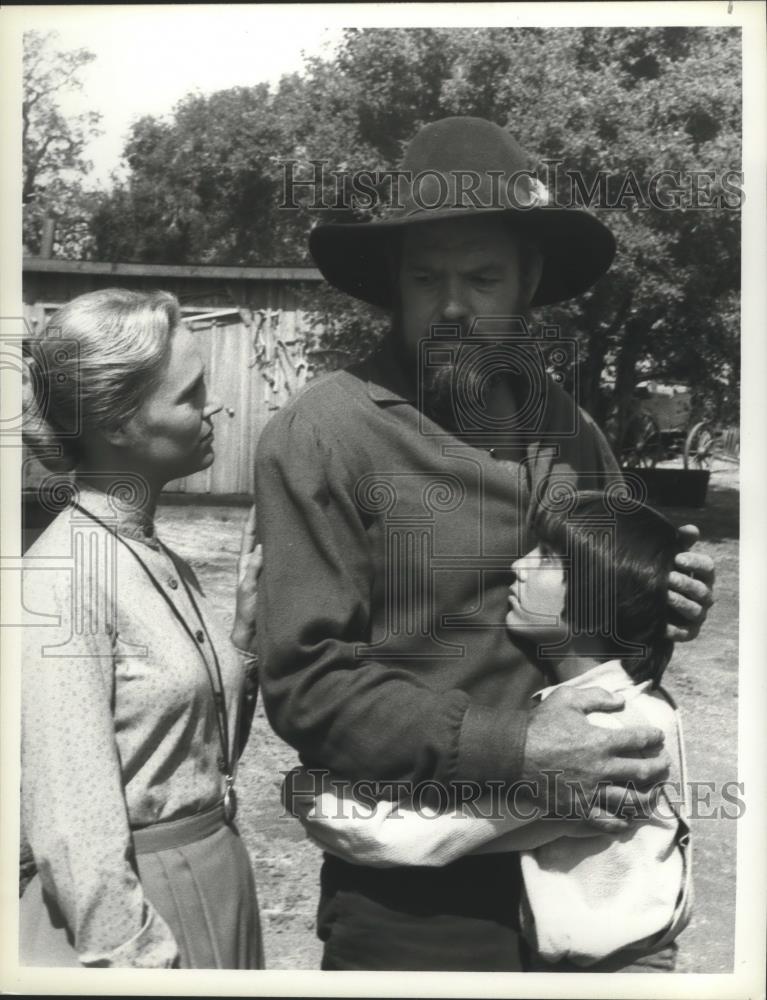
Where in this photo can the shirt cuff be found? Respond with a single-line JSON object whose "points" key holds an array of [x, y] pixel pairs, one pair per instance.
{"points": [[491, 744], [153, 947]]}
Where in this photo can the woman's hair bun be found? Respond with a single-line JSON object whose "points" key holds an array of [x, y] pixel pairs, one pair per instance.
{"points": [[92, 367], [38, 430]]}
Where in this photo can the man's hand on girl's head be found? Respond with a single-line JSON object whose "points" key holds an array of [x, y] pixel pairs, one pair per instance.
{"points": [[690, 589]]}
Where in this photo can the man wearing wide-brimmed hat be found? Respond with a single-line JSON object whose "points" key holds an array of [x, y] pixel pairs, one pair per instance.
{"points": [[393, 498]]}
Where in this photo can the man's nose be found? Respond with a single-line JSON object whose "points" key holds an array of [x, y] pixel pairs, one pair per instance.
{"points": [[454, 307]]}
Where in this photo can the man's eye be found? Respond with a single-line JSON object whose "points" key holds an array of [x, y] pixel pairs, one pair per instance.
{"points": [[422, 278], [485, 281]]}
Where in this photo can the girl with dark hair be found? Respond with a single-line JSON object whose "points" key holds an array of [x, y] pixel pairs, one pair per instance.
{"points": [[591, 597], [619, 554]]}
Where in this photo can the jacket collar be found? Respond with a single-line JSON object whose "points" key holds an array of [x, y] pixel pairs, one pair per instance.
{"points": [[381, 394], [385, 378], [387, 382]]}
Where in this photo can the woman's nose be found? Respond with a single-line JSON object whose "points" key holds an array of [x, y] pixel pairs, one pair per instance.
{"points": [[212, 407]]}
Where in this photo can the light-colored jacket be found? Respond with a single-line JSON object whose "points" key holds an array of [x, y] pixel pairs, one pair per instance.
{"points": [[586, 895]]}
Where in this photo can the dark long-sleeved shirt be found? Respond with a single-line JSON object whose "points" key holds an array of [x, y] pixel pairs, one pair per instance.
{"points": [[387, 550]]}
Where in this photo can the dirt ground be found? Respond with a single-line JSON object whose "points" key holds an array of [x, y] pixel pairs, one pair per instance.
{"points": [[703, 678]]}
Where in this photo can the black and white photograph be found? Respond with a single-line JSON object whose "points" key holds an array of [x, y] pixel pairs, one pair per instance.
{"points": [[374, 385]]}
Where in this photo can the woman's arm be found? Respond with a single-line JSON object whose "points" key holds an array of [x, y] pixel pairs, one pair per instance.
{"points": [[248, 570], [73, 803], [244, 628]]}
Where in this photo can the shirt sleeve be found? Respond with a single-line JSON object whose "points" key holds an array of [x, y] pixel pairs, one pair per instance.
{"points": [[73, 807], [387, 834], [357, 717]]}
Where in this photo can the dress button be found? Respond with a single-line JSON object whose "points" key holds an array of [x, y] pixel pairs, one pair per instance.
{"points": [[173, 583], [199, 635], [491, 452]]}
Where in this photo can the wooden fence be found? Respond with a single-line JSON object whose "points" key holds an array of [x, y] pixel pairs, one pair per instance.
{"points": [[255, 337]]}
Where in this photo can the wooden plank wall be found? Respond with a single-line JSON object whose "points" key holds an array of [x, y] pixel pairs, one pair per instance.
{"points": [[254, 362]]}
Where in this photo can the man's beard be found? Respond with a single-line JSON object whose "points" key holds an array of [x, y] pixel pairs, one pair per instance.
{"points": [[453, 394], [432, 386]]}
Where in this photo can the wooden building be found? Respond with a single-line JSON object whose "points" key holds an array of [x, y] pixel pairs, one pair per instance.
{"points": [[256, 334]]}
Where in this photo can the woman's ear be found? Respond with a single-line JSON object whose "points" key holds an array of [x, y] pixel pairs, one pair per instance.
{"points": [[118, 435]]}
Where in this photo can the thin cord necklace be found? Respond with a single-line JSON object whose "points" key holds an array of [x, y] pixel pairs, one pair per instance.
{"points": [[226, 765]]}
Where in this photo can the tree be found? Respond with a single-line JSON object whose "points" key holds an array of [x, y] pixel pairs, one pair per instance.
{"points": [[611, 106], [642, 100], [53, 146], [201, 187]]}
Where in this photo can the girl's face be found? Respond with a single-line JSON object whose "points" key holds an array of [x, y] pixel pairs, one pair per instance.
{"points": [[537, 594], [171, 435]]}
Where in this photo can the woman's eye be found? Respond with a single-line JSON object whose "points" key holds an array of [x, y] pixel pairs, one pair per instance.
{"points": [[195, 392]]}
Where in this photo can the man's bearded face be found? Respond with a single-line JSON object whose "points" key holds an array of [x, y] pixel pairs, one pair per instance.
{"points": [[462, 274]]}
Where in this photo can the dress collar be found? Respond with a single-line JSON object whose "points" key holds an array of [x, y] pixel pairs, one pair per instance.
{"points": [[135, 524]]}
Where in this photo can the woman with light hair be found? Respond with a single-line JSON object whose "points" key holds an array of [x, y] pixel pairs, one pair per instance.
{"points": [[135, 702]]}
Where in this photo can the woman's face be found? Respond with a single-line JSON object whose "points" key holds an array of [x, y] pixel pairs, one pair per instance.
{"points": [[537, 594], [171, 435]]}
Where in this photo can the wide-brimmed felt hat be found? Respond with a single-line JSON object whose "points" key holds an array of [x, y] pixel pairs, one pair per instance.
{"points": [[459, 167]]}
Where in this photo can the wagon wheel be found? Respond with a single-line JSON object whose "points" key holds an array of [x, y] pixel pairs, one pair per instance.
{"points": [[698, 447], [642, 442]]}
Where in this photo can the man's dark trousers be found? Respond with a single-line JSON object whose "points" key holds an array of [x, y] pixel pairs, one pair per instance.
{"points": [[459, 918]]}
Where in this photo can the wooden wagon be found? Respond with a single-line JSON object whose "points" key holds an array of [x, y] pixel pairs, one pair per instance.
{"points": [[660, 426]]}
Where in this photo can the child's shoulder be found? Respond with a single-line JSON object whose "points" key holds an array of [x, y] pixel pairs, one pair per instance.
{"points": [[658, 703], [657, 707]]}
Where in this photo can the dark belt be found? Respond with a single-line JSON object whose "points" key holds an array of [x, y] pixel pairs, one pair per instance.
{"points": [[174, 833]]}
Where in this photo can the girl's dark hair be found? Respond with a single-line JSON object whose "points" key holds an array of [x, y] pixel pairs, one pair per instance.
{"points": [[620, 553]]}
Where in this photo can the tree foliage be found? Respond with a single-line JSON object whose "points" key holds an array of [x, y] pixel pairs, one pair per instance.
{"points": [[53, 146], [207, 184]]}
